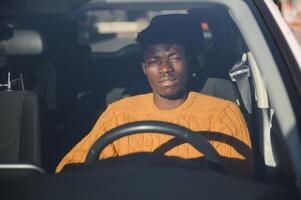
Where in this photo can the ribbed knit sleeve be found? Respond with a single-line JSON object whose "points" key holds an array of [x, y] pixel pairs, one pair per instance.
{"points": [[78, 153], [234, 144]]}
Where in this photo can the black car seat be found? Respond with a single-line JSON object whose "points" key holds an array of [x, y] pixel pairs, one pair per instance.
{"points": [[19, 132], [222, 49], [19, 111]]}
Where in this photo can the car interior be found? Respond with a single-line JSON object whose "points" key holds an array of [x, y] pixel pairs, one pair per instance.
{"points": [[59, 73]]}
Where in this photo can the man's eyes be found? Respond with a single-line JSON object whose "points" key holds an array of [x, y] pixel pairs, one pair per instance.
{"points": [[158, 61], [153, 61]]}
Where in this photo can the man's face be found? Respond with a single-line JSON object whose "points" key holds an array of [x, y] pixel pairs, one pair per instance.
{"points": [[166, 69]]}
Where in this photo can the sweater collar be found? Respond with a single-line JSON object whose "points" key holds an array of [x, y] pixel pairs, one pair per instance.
{"points": [[190, 98]]}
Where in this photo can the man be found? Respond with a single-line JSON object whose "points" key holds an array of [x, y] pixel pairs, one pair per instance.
{"points": [[165, 48]]}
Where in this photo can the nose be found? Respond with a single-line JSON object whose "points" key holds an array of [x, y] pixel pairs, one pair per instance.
{"points": [[165, 66]]}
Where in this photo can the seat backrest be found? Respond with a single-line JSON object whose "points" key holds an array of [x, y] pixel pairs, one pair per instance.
{"points": [[19, 127], [220, 88]]}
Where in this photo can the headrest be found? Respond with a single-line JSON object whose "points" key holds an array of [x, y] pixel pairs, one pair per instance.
{"points": [[173, 28], [23, 42]]}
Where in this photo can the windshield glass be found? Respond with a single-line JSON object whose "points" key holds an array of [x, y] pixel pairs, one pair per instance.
{"points": [[110, 30]]}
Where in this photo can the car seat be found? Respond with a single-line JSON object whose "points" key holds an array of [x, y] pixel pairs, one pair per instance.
{"points": [[19, 114], [19, 131]]}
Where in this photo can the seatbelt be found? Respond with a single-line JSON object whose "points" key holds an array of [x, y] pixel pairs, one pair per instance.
{"points": [[266, 148], [240, 74]]}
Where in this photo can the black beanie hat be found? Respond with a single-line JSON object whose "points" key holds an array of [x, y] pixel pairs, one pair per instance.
{"points": [[173, 28]]}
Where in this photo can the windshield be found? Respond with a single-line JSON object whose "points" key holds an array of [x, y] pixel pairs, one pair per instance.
{"points": [[110, 30]]}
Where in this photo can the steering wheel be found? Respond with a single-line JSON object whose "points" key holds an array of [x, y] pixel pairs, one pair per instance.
{"points": [[197, 140]]}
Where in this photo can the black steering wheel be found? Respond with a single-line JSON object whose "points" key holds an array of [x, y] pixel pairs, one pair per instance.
{"points": [[198, 141]]}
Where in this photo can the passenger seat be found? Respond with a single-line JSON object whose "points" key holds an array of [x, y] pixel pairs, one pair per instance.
{"points": [[19, 132]]}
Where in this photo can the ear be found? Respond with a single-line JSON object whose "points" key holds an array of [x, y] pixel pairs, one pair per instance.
{"points": [[143, 67]]}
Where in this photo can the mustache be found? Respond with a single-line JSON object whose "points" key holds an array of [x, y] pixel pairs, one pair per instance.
{"points": [[167, 76]]}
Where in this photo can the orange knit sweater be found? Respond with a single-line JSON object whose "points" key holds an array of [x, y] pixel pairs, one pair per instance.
{"points": [[226, 127]]}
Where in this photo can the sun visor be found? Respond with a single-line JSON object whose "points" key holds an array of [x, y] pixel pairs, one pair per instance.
{"points": [[23, 42]]}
